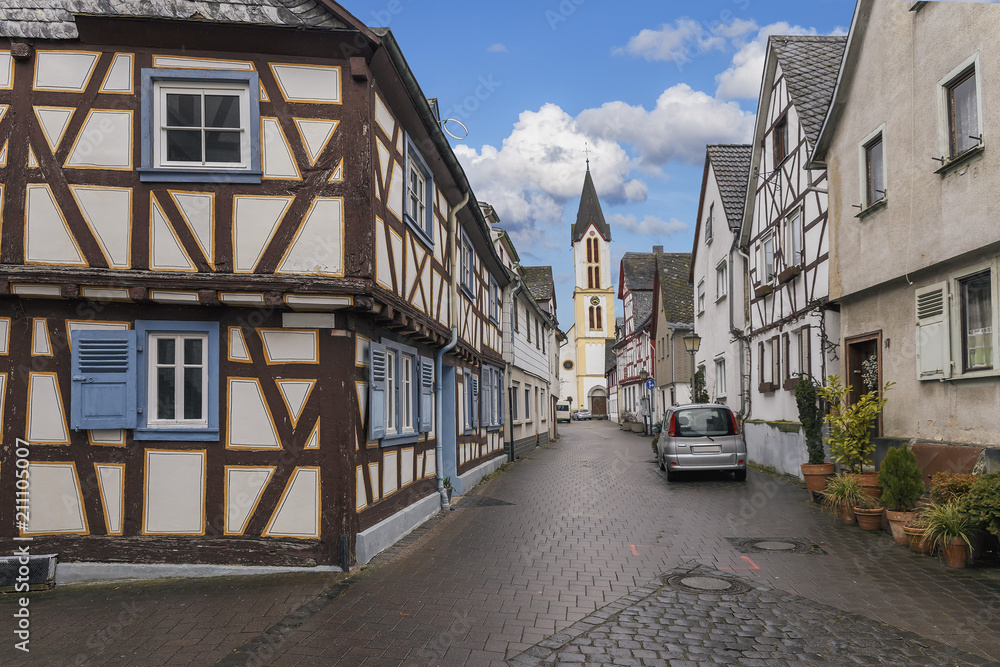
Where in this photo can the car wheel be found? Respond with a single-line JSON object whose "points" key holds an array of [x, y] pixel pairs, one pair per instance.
{"points": [[740, 475], [671, 475]]}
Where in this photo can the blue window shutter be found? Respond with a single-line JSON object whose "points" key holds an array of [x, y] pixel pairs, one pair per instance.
{"points": [[486, 405], [503, 395], [103, 388], [475, 402], [426, 394], [376, 391]]}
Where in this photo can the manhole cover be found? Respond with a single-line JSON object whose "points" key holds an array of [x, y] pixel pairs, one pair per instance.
{"points": [[705, 584], [785, 545]]}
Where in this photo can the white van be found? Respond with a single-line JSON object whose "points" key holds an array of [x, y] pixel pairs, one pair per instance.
{"points": [[562, 411]]}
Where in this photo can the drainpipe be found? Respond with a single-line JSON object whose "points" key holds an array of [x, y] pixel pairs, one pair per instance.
{"points": [[439, 359], [744, 342], [510, 370]]}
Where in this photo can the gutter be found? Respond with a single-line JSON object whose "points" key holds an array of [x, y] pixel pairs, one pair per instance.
{"points": [[510, 369], [745, 405]]}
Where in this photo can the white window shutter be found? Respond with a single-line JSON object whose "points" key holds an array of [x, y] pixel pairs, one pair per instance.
{"points": [[474, 407], [376, 391], [933, 332], [426, 394]]}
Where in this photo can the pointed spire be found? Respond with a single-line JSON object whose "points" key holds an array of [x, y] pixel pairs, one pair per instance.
{"points": [[590, 211]]}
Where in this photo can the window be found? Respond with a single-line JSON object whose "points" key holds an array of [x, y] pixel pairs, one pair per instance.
{"points": [[200, 126], [493, 390], [874, 171], [767, 259], [419, 208], [775, 345], [468, 271], [701, 297], [516, 388], [527, 323], [400, 393], [780, 140], [721, 279], [793, 239], [708, 222], [166, 388], [527, 403], [495, 303], [517, 315], [977, 322], [720, 377], [593, 263], [538, 338], [963, 113]]}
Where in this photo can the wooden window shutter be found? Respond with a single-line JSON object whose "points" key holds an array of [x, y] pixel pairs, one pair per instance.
{"points": [[426, 394], [500, 397], [474, 402], [933, 333], [485, 407], [103, 390], [805, 354], [376, 391]]}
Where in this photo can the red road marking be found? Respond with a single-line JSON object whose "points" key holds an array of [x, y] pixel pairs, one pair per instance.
{"points": [[634, 551], [753, 565]]}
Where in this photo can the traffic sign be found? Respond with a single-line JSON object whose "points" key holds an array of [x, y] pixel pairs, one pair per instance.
{"points": [[650, 384]]}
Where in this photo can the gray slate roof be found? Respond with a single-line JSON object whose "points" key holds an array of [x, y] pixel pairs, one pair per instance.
{"points": [[811, 65], [731, 164], [676, 293], [638, 271], [53, 19], [610, 357], [590, 212], [642, 308], [539, 281]]}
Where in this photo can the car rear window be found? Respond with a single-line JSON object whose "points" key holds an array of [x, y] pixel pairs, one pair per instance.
{"points": [[697, 422]]}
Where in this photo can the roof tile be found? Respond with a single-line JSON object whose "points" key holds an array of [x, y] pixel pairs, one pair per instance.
{"points": [[811, 65]]}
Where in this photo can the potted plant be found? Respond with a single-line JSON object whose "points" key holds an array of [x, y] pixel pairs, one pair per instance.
{"points": [[868, 511], [948, 486], [916, 532], [949, 528], [902, 485], [850, 429], [817, 471], [843, 493], [447, 487]]}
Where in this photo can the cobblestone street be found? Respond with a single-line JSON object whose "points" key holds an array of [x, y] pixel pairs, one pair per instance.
{"points": [[582, 552]]}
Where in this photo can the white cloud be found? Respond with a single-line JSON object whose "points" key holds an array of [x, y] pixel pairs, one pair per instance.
{"points": [[683, 40], [496, 48], [677, 128], [742, 79], [648, 226]]}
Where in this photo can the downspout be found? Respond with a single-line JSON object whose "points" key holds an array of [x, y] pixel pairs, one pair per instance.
{"points": [[439, 359], [510, 370], [744, 341]]}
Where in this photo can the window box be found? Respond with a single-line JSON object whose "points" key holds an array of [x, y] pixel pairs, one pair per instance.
{"points": [[788, 273], [763, 290]]}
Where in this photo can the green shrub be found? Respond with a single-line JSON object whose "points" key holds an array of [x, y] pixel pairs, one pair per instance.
{"points": [[700, 392], [656, 439], [842, 489], [809, 416], [946, 522], [901, 480], [948, 486], [850, 424], [982, 502]]}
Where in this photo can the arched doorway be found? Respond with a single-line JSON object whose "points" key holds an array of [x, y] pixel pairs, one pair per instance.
{"points": [[598, 402]]}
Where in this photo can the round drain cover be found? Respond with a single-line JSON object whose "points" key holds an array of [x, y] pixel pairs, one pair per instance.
{"points": [[776, 546], [706, 583]]}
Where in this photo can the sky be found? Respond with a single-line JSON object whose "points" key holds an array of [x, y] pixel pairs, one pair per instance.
{"points": [[642, 86]]}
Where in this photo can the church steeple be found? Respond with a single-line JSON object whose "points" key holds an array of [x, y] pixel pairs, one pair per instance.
{"points": [[590, 211]]}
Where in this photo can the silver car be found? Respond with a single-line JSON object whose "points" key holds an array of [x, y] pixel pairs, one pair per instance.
{"points": [[702, 437]]}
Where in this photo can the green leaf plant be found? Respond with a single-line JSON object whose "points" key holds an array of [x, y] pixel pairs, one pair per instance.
{"points": [[810, 418], [850, 424], [900, 479]]}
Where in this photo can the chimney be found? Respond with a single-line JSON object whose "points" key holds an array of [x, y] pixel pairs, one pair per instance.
{"points": [[658, 249]]}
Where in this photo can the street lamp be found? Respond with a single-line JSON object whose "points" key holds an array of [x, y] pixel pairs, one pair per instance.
{"points": [[643, 376], [691, 343]]}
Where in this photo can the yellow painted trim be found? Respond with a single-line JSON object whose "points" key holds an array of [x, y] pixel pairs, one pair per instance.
{"points": [[288, 202], [104, 299], [225, 492], [86, 84], [154, 202], [62, 216], [131, 142], [62, 411], [3, 401], [72, 111], [267, 353], [48, 340], [302, 226], [305, 401], [339, 168], [100, 490], [330, 296], [209, 253], [229, 417], [393, 164], [98, 443], [315, 432], [229, 347], [131, 79], [46, 296], [356, 471], [12, 71], [361, 387], [243, 305], [385, 453], [3, 151], [73, 189], [69, 332], [281, 501], [288, 147], [372, 480], [415, 478], [356, 364], [397, 274], [79, 491], [253, 67], [298, 128], [387, 133], [340, 83], [263, 92], [204, 485]]}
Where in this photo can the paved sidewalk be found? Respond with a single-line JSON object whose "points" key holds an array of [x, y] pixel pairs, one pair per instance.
{"points": [[581, 524]]}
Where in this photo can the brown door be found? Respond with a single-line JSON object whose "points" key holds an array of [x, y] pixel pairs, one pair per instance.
{"points": [[864, 369], [599, 406]]}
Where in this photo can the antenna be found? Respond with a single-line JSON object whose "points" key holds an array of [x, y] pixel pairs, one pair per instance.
{"points": [[586, 150]]}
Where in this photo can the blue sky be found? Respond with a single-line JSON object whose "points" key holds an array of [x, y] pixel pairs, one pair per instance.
{"points": [[645, 84]]}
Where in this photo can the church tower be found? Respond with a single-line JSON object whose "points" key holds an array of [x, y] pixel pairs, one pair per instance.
{"points": [[593, 301]]}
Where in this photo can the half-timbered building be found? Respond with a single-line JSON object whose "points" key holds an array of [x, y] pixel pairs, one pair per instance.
{"points": [[634, 348], [791, 330], [672, 320], [246, 312]]}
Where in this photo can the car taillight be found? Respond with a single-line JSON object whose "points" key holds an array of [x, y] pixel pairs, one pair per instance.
{"points": [[736, 424], [672, 430]]}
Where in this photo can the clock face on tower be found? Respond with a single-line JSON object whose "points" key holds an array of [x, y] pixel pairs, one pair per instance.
{"points": [[594, 301]]}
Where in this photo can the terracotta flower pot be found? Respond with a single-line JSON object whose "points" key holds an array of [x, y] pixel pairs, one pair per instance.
{"points": [[816, 475], [869, 483], [869, 519], [847, 513], [956, 553], [918, 544], [896, 522]]}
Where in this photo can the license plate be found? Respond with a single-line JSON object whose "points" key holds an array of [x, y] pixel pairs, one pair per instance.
{"points": [[706, 449]]}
